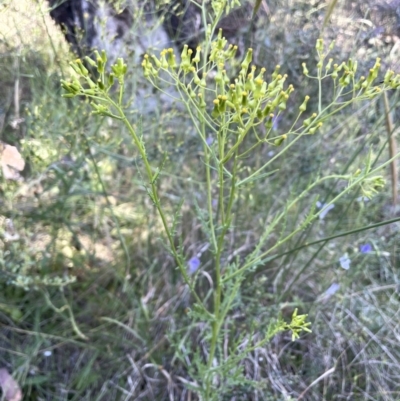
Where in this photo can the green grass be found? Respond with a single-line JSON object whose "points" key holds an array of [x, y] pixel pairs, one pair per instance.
{"points": [[82, 211]]}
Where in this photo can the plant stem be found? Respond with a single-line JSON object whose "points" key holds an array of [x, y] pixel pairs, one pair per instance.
{"points": [[157, 203], [294, 232]]}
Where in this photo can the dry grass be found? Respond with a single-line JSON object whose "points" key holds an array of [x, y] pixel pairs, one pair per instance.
{"points": [[26, 25]]}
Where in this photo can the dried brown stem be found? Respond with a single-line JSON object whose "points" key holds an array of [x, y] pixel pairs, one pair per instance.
{"points": [[392, 147]]}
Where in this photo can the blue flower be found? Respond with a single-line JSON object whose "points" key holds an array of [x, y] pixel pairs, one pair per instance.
{"points": [[326, 208], [345, 261], [193, 264], [365, 248], [332, 289], [209, 140]]}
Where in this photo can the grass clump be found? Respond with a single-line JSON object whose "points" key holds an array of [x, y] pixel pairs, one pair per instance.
{"points": [[232, 117]]}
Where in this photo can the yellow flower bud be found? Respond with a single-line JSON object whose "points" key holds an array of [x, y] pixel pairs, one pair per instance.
{"points": [[303, 107], [305, 70], [276, 72], [280, 140], [329, 65], [320, 45], [196, 58]]}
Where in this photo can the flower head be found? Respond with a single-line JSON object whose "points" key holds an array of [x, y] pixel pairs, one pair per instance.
{"points": [[193, 264], [365, 248], [345, 261]]}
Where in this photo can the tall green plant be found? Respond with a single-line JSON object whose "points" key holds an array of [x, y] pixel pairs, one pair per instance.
{"points": [[232, 108]]}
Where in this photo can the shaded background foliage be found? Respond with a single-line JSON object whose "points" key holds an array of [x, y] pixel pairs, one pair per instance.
{"points": [[80, 211]]}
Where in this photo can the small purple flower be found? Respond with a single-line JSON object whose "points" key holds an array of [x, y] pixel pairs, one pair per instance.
{"points": [[345, 261], [209, 140], [365, 248], [332, 289], [193, 264], [325, 207]]}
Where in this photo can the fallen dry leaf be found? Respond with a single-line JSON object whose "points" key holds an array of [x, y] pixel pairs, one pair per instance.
{"points": [[10, 388], [11, 162]]}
